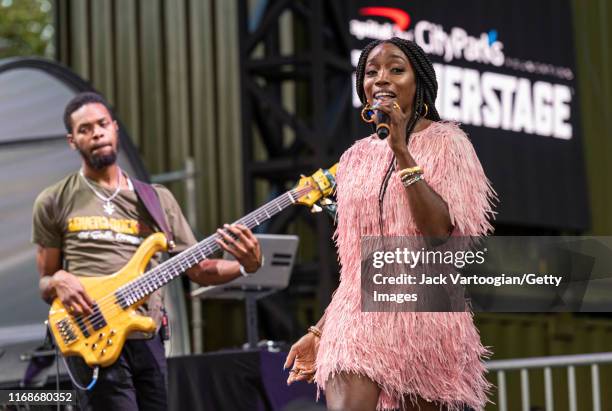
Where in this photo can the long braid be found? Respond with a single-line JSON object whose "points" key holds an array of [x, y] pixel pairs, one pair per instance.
{"points": [[426, 92]]}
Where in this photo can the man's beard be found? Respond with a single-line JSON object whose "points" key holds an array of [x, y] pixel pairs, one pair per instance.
{"points": [[99, 162]]}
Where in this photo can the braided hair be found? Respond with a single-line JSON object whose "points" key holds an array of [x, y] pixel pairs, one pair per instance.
{"points": [[424, 74], [426, 92]]}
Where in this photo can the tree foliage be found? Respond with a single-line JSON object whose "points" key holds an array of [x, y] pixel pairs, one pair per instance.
{"points": [[26, 28]]}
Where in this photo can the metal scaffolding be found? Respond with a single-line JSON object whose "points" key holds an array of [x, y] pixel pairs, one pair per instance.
{"points": [[296, 112]]}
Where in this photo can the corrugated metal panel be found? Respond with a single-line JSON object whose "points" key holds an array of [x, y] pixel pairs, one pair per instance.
{"points": [[177, 83], [593, 39], [101, 54], [205, 147], [127, 84], [153, 118]]}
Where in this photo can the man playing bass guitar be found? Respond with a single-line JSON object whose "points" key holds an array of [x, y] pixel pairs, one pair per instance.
{"points": [[90, 224]]}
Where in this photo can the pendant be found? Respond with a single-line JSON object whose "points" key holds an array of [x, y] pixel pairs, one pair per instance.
{"points": [[109, 208]]}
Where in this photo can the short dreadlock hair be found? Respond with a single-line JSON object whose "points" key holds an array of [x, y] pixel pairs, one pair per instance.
{"points": [[79, 101]]}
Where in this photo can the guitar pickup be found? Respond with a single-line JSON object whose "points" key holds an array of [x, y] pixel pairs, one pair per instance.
{"points": [[97, 320], [83, 327]]}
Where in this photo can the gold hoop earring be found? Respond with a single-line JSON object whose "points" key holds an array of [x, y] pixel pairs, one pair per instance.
{"points": [[367, 114], [426, 110]]}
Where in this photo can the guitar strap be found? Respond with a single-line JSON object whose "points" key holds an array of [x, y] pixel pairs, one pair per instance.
{"points": [[147, 194]]}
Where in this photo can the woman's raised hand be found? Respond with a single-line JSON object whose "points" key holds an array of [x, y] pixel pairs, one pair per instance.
{"points": [[398, 122]]}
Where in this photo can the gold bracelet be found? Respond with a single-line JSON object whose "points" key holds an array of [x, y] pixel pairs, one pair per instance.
{"points": [[408, 181], [315, 330], [409, 176], [411, 171]]}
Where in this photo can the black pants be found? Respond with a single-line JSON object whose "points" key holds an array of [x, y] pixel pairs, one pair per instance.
{"points": [[136, 381]]}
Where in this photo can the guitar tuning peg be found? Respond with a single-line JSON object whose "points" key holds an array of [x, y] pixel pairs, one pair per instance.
{"points": [[325, 201], [316, 209]]}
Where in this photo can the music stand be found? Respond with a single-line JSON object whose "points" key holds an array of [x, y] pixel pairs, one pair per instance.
{"points": [[279, 253]]}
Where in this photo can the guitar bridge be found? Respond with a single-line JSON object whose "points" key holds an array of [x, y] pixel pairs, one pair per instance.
{"points": [[66, 331]]}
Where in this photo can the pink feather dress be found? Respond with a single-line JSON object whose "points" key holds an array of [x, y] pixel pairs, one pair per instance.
{"points": [[436, 356]]}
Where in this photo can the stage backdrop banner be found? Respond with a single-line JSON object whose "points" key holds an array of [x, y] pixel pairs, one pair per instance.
{"points": [[506, 72]]}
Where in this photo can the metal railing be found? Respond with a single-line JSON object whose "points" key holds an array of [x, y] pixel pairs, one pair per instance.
{"points": [[547, 363]]}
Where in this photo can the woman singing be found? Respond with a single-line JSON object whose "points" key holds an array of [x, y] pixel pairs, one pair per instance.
{"points": [[424, 179]]}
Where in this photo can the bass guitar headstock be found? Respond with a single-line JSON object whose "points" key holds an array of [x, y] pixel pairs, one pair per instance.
{"points": [[312, 189]]}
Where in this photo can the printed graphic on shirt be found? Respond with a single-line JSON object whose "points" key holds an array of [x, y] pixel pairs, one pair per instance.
{"points": [[122, 230]]}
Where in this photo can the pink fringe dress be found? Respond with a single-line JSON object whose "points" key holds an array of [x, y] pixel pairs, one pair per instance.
{"points": [[436, 356]]}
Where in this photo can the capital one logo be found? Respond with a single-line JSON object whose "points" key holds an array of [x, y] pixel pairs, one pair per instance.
{"points": [[400, 18], [433, 38]]}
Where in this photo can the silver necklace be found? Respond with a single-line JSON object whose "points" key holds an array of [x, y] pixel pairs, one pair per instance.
{"points": [[109, 207]]}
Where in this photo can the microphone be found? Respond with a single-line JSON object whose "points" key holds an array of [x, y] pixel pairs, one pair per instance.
{"points": [[382, 126]]}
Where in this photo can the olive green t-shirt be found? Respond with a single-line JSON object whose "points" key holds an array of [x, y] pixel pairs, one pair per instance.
{"points": [[69, 216]]}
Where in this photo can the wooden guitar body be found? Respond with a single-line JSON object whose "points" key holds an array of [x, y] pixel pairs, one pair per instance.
{"points": [[100, 338]]}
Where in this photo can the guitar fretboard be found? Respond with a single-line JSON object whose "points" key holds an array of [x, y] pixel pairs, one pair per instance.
{"points": [[161, 275]]}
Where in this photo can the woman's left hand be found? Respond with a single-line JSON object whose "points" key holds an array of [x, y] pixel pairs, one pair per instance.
{"points": [[244, 246], [398, 120], [302, 359]]}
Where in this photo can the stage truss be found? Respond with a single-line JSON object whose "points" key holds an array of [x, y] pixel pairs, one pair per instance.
{"points": [[296, 93]]}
